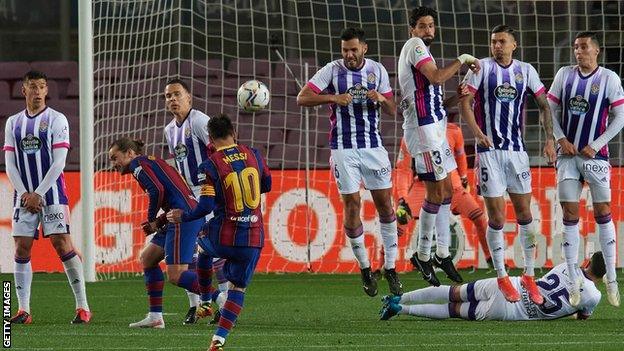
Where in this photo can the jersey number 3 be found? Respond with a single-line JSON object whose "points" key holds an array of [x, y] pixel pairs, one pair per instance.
{"points": [[245, 187]]}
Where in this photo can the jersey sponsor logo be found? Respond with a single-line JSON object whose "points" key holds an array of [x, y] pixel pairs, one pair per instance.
{"points": [[371, 78], [239, 156], [358, 91], [578, 105], [595, 88], [43, 127], [505, 93], [181, 152], [30, 144], [244, 219]]}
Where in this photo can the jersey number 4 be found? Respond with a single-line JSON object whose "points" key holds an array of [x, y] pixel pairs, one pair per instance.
{"points": [[245, 188]]}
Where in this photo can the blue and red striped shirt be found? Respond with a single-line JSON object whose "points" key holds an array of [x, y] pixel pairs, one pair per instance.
{"points": [[165, 186]]}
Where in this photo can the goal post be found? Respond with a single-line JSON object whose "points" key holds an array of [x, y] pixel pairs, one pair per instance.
{"points": [[217, 45]]}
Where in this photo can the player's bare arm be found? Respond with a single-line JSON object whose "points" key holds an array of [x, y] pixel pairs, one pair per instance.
{"points": [[440, 75], [307, 97], [465, 108], [547, 124], [387, 105]]}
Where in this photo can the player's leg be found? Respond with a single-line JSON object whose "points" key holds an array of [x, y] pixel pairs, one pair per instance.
{"points": [[389, 236], [194, 299], [239, 268], [527, 232], [465, 205], [150, 258], [23, 277], [179, 249], [442, 258], [345, 165]]}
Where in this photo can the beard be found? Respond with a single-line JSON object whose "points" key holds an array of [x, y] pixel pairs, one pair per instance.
{"points": [[427, 40]]}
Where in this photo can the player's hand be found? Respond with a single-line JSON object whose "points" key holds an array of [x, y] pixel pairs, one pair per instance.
{"points": [[471, 61], [567, 148], [175, 215], [462, 89], [149, 227], [403, 212], [32, 202], [484, 141], [375, 96], [464, 183], [549, 152], [588, 152], [343, 99]]}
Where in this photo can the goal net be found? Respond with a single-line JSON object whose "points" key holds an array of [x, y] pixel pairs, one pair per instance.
{"points": [[217, 45]]}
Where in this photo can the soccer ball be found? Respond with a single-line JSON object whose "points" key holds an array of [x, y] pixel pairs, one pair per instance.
{"points": [[253, 96]]}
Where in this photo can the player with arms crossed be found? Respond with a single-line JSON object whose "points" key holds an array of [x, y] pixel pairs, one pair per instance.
{"points": [[581, 97], [187, 138], [411, 191], [494, 111], [232, 180], [483, 300], [357, 89], [175, 243], [36, 145], [424, 131]]}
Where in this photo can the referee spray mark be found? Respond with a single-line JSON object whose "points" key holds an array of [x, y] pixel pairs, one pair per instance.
{"points": [[6, 314]]}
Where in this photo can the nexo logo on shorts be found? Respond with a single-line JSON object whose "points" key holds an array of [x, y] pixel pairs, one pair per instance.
{"points": [[51, 217], [596, 168]]}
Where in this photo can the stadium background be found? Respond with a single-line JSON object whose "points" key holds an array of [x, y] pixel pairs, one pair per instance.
{"points": [[216, 47]]}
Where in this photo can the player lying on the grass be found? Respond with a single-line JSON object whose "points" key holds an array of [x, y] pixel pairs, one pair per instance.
{"points": [[581, 97], [232, 180], [411, 192], [494, 111], [482, 300], [425, 128], [357, 91], [175, 243], [35, 148], [187, 138]]}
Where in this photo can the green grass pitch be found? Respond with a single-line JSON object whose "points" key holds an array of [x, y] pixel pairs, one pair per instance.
{"points": [[292, 312]]}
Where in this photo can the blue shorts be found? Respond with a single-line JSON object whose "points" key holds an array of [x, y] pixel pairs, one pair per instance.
{"points": [[179, 241], [240, 261]]}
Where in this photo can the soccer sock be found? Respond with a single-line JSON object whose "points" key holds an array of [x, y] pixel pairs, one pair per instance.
{"points": [[230, 312], [388, 228], [154, 282], [571, 246], [430, 294], [217, 265], [496, 242], [75, 276], [527, 233], [188, 280], [428, 214], [23, 279], [606, 235], [205, 269], [478, 218], [194, 299], [434, 311], [356, 238], [442, 229]]}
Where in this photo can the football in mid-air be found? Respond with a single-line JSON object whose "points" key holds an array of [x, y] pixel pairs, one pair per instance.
{"points": [[253, 96]]}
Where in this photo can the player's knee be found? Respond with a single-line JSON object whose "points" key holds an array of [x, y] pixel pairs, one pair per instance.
{"points": [[62, 244], [602, 209], [570, 211], [22, 251]]}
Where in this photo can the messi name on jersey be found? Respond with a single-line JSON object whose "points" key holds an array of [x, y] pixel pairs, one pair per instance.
{"points": [[239, 156]]}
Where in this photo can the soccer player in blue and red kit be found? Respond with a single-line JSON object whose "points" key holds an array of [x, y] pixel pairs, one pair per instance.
{"points": [[173, 242], [232, 180]]}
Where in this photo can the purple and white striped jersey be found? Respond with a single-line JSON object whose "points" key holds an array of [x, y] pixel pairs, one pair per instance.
{"points": [[188, 144], [585, 102], [499, 99], [422, 101], [32, 139], [355, 126]]}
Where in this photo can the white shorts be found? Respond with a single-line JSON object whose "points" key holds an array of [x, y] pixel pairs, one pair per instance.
{"points": [[54, 220], [597, 173], [498, 171], [491, 302], [435, 164], [351, 167]]}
